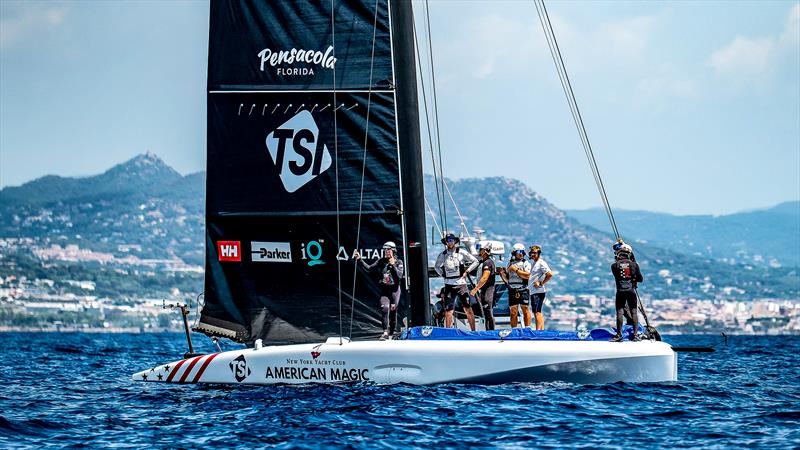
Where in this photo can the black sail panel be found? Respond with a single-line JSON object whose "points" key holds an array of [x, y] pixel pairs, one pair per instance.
{"points": [[288, 44], [285, 207]]}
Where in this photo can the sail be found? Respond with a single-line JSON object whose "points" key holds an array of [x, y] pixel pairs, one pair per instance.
{"points": [[304, 168]]}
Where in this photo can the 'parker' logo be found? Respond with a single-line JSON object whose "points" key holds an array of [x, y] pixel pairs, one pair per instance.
{"points": [[239, 368], [308, 156]]}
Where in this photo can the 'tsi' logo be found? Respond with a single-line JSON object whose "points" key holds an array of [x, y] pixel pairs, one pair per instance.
{"points": [[308, 156], [239, 368], [229, 250]]}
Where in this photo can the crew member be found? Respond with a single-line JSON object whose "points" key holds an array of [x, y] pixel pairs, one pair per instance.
{"points": [[454, 264], [627, 275], [485, 286], [391, 275], [540, 275], [516, 277]]}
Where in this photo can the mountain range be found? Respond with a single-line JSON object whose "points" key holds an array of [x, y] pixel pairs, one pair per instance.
{"points": [[145, 205], [764, 237]]}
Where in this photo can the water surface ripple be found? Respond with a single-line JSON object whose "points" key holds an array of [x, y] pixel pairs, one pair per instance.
{"points": [[74, 390]]}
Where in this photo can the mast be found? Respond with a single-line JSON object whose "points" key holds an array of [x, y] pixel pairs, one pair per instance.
{"points": [[402, 18]]}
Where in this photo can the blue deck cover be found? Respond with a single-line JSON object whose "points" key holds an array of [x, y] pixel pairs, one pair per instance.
{"points": [[512, 334]]}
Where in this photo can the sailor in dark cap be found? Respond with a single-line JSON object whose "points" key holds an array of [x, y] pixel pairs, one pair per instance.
{"points": [[485, 287], [453, 264]]}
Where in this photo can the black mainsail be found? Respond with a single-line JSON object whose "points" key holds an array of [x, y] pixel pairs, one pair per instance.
{"points": [[303, 98]]}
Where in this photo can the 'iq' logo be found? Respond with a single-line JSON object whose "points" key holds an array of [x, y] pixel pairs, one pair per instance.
{"points": [[309, 156], [312, 251]]}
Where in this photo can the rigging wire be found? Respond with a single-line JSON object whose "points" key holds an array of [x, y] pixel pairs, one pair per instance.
{"points": [[436, 175], [566, 86], [435, 108], [433, 216], [458, 211], [336, 171], [363, 169]]}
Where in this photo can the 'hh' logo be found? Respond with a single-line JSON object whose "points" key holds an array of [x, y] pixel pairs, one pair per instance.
{"points": [[229, 250], [308, 156]]}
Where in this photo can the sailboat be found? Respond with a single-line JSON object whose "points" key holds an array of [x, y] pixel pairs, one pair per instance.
{"points": [[314, 153]]}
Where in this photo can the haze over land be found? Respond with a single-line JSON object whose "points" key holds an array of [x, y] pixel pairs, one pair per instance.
{"points": [[105, 251]]}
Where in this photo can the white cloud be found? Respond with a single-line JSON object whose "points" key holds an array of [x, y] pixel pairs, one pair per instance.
{"points": [[751, 58], [743, 57], [21, 20], [791, 32]]}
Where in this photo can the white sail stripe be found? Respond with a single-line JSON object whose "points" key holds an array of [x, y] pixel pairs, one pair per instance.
{"points": [[280, 91]]}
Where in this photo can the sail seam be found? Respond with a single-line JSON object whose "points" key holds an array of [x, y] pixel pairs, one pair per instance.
{"points": [[287, 91]]}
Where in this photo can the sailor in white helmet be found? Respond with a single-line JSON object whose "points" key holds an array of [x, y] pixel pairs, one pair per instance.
{"points": [[516, 276], [453, 265], [390, 270]]}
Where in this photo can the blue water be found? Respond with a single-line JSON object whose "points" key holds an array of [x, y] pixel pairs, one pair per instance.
{"points": [[74, 390]]}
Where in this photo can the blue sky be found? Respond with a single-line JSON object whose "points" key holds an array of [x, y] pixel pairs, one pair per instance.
{"points": [[692, 107]]}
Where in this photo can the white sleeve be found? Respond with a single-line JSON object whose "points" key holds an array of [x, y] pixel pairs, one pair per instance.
{"points": [[473, 261], [438, 267]]}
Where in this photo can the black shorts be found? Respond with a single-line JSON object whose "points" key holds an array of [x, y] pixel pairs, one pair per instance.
{"points": [[519, 296], [451, 293], [626, 299], [537, 300], [486, 297]]}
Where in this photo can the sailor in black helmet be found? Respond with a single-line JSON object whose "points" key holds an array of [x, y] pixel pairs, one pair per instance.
{"points": [[454, 264], [485, 287], [391, 275], [627, 275]]}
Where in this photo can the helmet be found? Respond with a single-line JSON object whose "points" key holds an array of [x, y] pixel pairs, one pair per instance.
{"points": [[518, 248], [486, 246], [389, 245], [621, 245], [450, 235], [623, 249]]}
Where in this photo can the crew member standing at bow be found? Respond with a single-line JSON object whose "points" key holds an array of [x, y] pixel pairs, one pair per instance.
{"points": [[540, 275], [516, 277], [454, 264], [485, 286], [627, 275], [391, 275]]}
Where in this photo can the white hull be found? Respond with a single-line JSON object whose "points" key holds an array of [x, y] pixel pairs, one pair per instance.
{"points": [[428, 362]]}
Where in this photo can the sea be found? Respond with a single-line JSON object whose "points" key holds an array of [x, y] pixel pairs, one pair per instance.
{"points": [[74, 390]]}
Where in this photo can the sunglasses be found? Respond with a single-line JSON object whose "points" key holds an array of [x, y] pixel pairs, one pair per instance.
{"points": [[451, 240]]}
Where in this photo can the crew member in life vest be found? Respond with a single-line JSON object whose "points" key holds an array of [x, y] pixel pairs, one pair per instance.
{"points": [[516, 277], [627, 275], [540, 275], [390, 269], [485, 287], [453, 264]]}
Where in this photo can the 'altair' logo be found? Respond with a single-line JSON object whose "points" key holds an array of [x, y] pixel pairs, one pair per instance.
{"points": [[309, 156]]}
